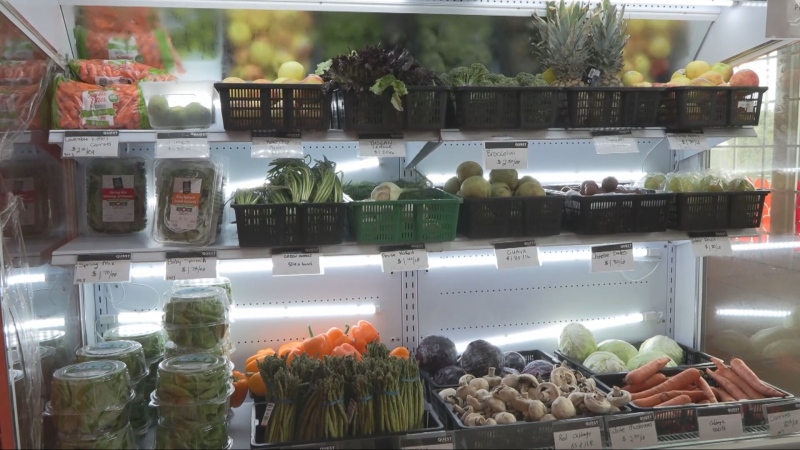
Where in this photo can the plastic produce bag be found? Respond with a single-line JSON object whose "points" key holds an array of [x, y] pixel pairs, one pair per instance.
{"points": [[151, 47], [84, 106], [681, 182], [654, 181], [105, 72]]}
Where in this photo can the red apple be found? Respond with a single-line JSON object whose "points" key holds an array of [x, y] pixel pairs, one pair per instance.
{"points": [[744, 78]]}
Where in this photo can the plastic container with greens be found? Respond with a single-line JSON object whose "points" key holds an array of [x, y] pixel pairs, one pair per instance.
{"points": [[193, 378], [150, 336], [55, 339], [140, 407], [129, 352], [210, 436], [223, 348], [196, 316], [116, 196], [121, 439], [193, 413], [220, 282], [189, 202]]}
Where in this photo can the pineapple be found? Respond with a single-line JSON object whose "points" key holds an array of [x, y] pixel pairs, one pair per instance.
{"points": [[561, 41], [608, 39]]}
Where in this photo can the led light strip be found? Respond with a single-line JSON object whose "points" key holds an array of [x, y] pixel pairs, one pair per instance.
{"points": [[272, 312], [491, 260], [764, 246], [753, 312], [26, 278]]}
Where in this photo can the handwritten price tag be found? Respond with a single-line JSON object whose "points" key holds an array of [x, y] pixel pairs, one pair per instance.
{"points": [[509, 255], [303, 261], [614, 143], [276, 145], [182, 145], [103, 268], [191, 265], [399, 258], [577, 434], [427, 443], [715, 243], [632, 431], [92, 144], [783, 418], [505, 155], [720, 422], [612, 258], [687, 141], [382, 145]]}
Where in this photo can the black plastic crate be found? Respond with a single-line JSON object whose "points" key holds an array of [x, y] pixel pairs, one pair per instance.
{"points": [[708, 211], [691, 358], [256, 106], [483, 218], [641, 106], [431, 423], [487, 108], [746, 105], [695, 106], [616, 213], [424, 108], [683, 419], [596, 107], [290, 224], [540, 106]]}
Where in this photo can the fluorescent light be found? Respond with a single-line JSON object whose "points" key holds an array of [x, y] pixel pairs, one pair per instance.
{"points": [[139, 317], [246, 184], [39, 324], [544, 257], [359, 164], [549, 178], [764, 246], [26, 278], [154, 271], [302, 311], [753, 312], [555, 330]]}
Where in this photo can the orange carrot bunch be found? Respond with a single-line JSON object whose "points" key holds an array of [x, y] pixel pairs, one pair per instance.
{"points": [[85, 106]]}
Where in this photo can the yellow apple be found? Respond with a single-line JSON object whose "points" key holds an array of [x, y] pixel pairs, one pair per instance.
{"points": [[643, 84], [696, 68], [714, 77], [725, 70], [239, 34], [233, 80], [293, 70], [679, 73], [680, 81], [279, 80], [701, 82], [632, 78]]}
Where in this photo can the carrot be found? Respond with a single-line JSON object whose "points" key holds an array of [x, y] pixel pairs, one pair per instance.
{"points": [[677, 401], [721, 394], [703, 402], [676, 382], [741, 384], [648, 402], [653, 380], [706, 389], [728, 385], [657, 399], [642, 373], [740, 368]]}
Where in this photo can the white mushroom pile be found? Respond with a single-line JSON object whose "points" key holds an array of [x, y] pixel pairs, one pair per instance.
{"points": [[491, 400]]}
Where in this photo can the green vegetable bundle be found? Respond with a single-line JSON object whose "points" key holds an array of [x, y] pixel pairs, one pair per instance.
{"points": [[129, 352], [122, 439], [193, 378], [221, 282], [150, 336], [90, 387], [119, 181], [296, 181], [209, 436]]}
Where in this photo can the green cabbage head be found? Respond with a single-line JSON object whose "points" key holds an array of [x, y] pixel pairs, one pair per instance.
{"points": [[604, 362], [645, 357], [576, 341], [664, 345], [622, 349]]}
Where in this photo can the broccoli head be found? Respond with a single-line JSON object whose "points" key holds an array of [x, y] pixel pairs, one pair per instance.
{"points": [[530, 80], [499, 80]]}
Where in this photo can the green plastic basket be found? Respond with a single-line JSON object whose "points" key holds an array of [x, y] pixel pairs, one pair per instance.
{"points": [[431, 218]]}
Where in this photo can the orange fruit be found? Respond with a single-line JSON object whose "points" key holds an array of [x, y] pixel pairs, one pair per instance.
{"points": [[256, 385]]}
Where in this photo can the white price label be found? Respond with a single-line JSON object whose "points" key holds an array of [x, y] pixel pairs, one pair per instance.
{"points": [[783, 418], [277, 145], [723, 422], [711, 244], [191, 265], [92, 144], [427, 443], [382, 145], [103, 268], [267, 414], [304, 262], [509, 255], [581, 434], [182, 145], [612, 258], [615, 144], [505, 155], [687, 141], [401, 258], [633, 432]]}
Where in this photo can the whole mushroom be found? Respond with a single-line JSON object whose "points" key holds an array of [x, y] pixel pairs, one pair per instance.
{"points": [[547, 393]]}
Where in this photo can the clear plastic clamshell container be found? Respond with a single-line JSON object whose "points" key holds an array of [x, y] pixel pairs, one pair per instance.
{"points": [[186, 414], [196, 316], [129, 352], [220, 282], [223, 348], [179, 105], [193, 378], [149, 335], [90, 386], [121, 439], [210, 436]]}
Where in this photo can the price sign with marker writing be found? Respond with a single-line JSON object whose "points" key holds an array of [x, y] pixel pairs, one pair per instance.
{"points": [[509, 255], [687, 140], [783, 418], [713, 243], [276, 144], [182, 145], [296, 261], [632, 431], [614, 142], [577, 434], [382, 145], [720, 422], [91, 144], [505, 155], [400, 258], [108, 268], [191, 265], [612, 258]]}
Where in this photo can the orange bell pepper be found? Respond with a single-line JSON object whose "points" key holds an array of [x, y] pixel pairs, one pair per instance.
{"points": [[316, 346], [400, 352], [364, 333], [337, 337], [294, 354], [287, 348], [268, 351], [257, 385], [240, 387], [346, 350]]}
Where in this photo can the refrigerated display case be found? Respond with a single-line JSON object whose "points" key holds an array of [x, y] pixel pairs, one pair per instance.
{"points": [[740, 305]]}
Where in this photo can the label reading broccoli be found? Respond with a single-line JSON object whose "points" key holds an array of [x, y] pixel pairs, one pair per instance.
{"points": [[184, 205]]}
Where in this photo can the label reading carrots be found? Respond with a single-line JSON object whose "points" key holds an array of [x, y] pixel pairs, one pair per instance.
{"points": [[90, 143], [184, 204], [783, 418], [720, 422], [118, 198]]}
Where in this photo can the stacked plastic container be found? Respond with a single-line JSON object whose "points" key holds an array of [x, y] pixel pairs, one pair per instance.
{"points": [[197, 320], [224, 347], [90, 406]]}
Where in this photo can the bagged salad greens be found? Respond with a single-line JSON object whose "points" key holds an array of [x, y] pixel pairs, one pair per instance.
{"points": [[196, 316], [121, 439], [150, 336], [220, 282], [189, 204], [129, 352], [116, 195], [192, 379], [211, 436]]}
